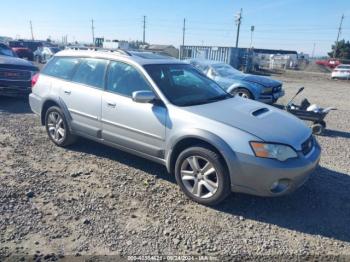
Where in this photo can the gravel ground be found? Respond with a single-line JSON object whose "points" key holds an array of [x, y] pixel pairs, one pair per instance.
{"points": [[94, 200]]}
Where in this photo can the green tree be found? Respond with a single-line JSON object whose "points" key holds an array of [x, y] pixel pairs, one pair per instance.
{"points": [[342, 50]]}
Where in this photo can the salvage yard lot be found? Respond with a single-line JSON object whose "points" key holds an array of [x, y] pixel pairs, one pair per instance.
{"points": [[95, 200]]}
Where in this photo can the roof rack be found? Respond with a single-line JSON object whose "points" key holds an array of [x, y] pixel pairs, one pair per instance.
{"points": [[117, 50]]}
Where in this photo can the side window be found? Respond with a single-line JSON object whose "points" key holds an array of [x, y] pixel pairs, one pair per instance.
{"points": [[91, 72], [61, 67], [125, 79]]}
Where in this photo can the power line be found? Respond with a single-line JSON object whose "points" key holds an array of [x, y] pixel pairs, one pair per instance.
{"points": [[339, 32], [238, 22], [144, 30], [31, 29], [93, 31]]}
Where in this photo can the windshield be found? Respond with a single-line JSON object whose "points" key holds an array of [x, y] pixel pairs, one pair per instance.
{"points": [[183, 85], [225, 70], [6, 51]]}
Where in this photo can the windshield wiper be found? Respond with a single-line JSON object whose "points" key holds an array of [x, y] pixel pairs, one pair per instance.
{"points": [[208, 100]]}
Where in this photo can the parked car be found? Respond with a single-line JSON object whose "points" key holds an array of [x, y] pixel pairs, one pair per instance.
{"points": [[24, 49], [15, 73], [44, 53], [235, 82], [331, 63], [167, 111], [342, 71]]}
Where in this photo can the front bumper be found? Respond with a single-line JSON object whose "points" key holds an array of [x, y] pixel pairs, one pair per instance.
{"points": [[272, 98], [257, 176]]}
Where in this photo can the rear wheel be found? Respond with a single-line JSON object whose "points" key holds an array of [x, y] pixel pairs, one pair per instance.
{"points": [[202, 176], [57, 127], [242, 92]]}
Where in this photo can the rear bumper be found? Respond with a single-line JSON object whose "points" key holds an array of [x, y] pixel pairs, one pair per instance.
{"points": [[15, 91], [257, 176], [341, 75], [35, 103]]}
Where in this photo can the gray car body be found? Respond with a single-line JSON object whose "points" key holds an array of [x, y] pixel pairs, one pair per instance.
{"points": [[156, 131], [254, 83]]}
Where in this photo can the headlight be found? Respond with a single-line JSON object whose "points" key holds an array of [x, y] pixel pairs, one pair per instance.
{"points": [[276, 151]]}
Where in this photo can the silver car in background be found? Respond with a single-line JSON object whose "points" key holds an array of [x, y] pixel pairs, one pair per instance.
{"points": [[341, 72], [235, 82], [167, 111]]}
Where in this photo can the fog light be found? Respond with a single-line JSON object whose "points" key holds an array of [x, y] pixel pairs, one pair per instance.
{"points": [[280, 186]]}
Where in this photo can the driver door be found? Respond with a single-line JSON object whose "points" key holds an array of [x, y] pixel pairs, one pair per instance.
{"points": [[137, 126]]}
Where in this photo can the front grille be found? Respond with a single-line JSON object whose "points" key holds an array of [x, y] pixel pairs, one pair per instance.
{"points": [[15, 75], [308, 145]]}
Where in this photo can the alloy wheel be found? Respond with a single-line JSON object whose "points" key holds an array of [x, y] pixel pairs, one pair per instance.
{"points": [[199, 177], [242, 94], [56, 127]]}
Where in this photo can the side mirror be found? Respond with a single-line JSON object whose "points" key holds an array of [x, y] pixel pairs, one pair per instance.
{"points": [[143, 96]]}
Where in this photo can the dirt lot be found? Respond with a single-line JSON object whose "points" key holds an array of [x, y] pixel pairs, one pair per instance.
{"points": [[94, 200]]}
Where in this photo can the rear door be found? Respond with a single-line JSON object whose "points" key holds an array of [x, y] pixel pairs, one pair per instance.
{"points": [[137, 126], [82, 95]]}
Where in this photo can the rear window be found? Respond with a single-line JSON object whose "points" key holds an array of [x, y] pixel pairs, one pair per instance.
{"points": [[91, 72], [61, 67]]}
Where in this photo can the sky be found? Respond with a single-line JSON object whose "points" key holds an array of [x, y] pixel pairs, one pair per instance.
{"points": [[279, 24]]}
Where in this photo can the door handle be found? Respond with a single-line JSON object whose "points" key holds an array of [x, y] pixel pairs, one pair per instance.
{"points": [[68, 92], [111, 104]]}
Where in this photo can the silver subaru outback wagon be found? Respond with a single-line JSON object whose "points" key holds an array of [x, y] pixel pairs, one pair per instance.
{"points": [[167, 111]]}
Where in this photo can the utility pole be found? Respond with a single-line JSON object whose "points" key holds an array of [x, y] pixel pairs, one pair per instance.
{"points": [[252, 28], [93, 31], [313, 51], [183, 32], [31, 29], [238, 23], [144, 30], [339, 32]]}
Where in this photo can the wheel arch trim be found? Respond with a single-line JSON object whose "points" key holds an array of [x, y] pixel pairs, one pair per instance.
{"points": [[58, 101], [229, 156]]}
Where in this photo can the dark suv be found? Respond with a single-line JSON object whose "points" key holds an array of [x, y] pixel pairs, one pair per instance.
{"points": [[15, 73]]}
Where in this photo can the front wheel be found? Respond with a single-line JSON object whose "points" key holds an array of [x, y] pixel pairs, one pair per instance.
{"points": [[242, 92], [57, 127], [201, 174]]}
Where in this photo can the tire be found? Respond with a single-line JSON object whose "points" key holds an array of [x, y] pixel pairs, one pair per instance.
{"points": [[57, 127], [317, 128], [186, 176], [242, 92]]}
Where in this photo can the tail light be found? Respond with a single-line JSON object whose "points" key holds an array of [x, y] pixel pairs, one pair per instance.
{"points": [[35, 79]]}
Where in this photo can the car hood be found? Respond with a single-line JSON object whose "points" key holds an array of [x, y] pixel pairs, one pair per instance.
{"points": [[265, 122], [261, 80], [265, 81], [12, 62]]}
